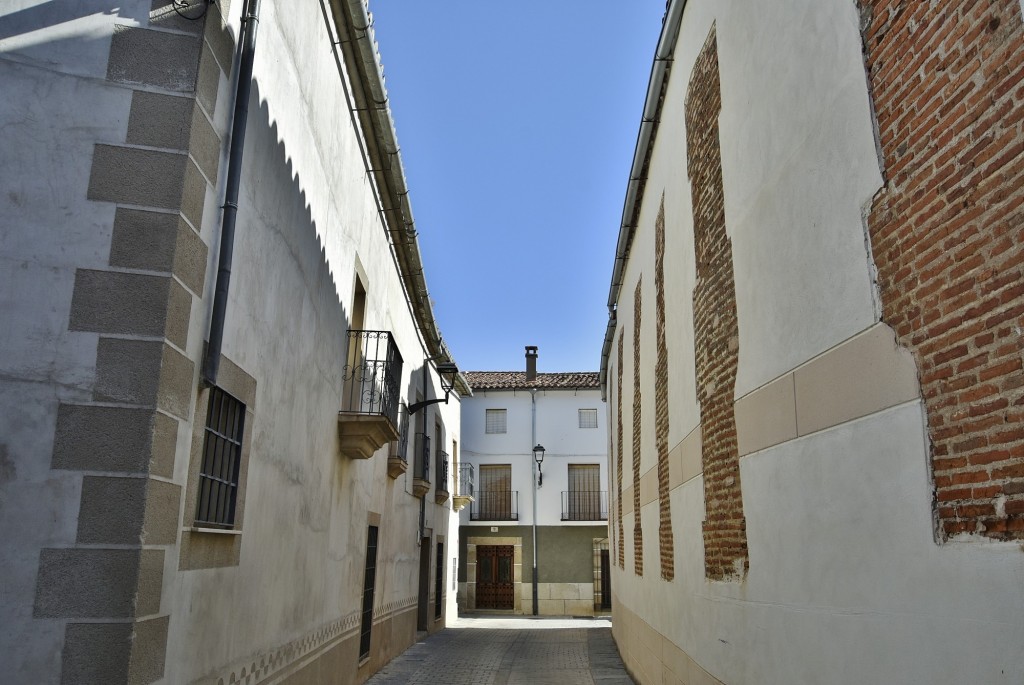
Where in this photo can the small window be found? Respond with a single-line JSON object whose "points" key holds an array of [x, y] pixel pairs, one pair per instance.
{"points": [[369, 583], [588, 418], [497, 421], [222, 455]]}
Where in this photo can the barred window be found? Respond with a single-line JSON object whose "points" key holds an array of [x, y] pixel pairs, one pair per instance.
{"points": [[369, 586], [497, 421], [588, 418], [222, 455]]}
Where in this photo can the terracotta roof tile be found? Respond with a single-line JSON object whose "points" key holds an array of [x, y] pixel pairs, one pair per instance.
{"points": [[516, 380]]}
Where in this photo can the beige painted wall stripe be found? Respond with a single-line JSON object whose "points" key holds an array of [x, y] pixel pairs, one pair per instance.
{"points": [[861, 376]]}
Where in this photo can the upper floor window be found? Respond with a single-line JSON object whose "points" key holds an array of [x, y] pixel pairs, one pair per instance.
{"points": [[497, 421], [588, 418]]}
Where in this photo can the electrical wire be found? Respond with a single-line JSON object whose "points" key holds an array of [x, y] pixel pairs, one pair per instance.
{"points": [[180, 5]]}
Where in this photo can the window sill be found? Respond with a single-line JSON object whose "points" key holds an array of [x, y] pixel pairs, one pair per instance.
{"points": [[214, 531]]}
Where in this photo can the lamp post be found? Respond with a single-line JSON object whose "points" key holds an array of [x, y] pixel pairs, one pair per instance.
{"points": [[538, 456], [447, 372]]}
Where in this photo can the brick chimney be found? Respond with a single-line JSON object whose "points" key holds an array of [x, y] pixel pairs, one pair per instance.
{"points": [[531, 363]]}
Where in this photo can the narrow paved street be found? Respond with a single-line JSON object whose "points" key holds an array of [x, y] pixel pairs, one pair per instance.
{"points": [[511, 651]]}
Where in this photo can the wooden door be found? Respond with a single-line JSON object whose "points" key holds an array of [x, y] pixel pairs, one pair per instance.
{"points": [[494, 579], [606, 580]]}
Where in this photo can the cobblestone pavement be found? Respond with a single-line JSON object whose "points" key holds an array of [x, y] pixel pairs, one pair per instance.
{"points": [[511, 651]]}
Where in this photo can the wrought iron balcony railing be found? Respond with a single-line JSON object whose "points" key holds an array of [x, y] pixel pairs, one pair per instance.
{"points": [[495, 505], [421, 461], [467, 481], [584, 505], [372, 375], [442, 471]]}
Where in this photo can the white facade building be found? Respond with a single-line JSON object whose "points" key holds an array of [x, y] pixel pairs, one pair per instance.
{"points": [[813, 364], [509, 415], [277, 519]]}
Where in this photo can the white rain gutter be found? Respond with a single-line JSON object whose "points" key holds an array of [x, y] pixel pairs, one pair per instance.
{"points": [[663, 56], [361, 55]]}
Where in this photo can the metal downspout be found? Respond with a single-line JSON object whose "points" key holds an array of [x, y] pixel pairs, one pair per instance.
{"points": [[239, 119], [663, 57], [533, 441]]}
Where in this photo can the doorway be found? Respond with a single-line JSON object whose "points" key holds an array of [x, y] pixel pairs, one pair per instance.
{"points": [[422, 622], [494, 578]]}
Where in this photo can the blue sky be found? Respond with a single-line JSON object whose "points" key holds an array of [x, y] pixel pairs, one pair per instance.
{"points": [[517, 123]]}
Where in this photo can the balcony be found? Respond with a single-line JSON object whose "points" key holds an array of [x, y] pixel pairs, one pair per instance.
{"points": [[464, 487], [495, 505], [368, 419], [398, 462], [421, 465], [584, 505], [441, 491]]}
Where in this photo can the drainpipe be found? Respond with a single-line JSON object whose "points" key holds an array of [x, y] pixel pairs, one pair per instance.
{"points": [[240, 116], [663, 56], [533, 477]]}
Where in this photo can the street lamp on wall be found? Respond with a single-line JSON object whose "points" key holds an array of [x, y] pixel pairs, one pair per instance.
{"points": [[538, 456], [447, 372]]}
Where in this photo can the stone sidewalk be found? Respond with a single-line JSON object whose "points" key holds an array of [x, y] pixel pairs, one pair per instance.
{"points": [[511, 651]]}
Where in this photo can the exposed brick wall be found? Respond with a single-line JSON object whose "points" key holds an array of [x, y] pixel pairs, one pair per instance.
{"points": [[618, 454], [947, 80], [638, 531], [715, 324], [666, 545]]}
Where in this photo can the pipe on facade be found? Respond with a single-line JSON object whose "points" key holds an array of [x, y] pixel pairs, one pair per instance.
{"points": [[239, 119], [663, 56], [371, 102], [533, 477]]}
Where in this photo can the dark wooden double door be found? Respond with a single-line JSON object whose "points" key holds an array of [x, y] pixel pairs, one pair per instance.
{"points": [[495, 586]]}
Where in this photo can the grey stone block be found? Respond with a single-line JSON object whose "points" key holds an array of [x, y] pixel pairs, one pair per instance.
{"points": [[163, 505], [219, 38], [124, 303], [208, 83], [128, 371], [190, 259], [204, 144], [96, 653], [151, 578], [179, 312], [150, 178], [111, 510], [165, 446], [86, 583], [149, 651], [89, 438], [144, 240], [176, 383], [193, 195], [160, 120], [154, 58]]}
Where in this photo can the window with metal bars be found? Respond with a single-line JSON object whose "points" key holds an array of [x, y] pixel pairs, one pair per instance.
{"points": [[369, 583], [588, 418], [496, 421], [222, 455]]}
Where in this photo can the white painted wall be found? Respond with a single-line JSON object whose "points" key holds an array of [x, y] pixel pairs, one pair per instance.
{"points": [[846, 584], [306, 215], [557, 430], [55, 106]]}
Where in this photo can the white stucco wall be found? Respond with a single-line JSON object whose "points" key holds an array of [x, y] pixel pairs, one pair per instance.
{"points": [[307, 218], [557, 430], [55, 106], [846, 584]]}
